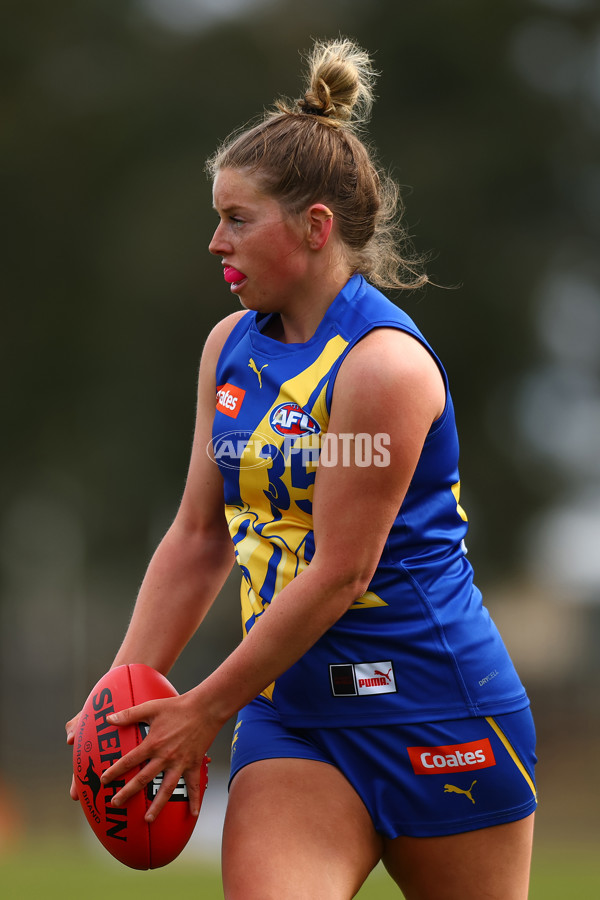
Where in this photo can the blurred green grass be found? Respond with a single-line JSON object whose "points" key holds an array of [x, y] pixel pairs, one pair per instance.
{"points": [[66, 868]]}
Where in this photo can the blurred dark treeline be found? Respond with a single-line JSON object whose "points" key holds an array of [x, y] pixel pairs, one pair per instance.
{"points": [[107, 117]]}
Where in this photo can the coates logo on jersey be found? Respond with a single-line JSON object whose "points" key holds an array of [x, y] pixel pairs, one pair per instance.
{"points": [[229, 399], [452, 758], [290, 420]]}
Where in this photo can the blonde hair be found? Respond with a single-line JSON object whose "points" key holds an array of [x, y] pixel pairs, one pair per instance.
{"points": [[309, 150]]}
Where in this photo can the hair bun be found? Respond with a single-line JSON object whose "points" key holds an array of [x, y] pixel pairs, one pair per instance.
{"points": [[340, 82]]}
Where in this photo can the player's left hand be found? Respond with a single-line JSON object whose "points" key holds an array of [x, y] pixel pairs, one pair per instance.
{"points": [[176, 744]]}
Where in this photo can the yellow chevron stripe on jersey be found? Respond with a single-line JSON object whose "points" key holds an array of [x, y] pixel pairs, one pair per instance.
{"points": [[258, 534], [456, 492], [368, 599]]}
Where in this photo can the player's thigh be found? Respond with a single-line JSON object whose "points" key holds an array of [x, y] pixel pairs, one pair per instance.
{"points": [[296, 829], [487, 864]]}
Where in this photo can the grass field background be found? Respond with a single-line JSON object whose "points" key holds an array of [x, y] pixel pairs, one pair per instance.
{"points": [[63, 868], [55, 855]]}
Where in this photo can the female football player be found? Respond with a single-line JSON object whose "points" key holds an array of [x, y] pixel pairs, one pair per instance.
{"points": [[379, 714]]}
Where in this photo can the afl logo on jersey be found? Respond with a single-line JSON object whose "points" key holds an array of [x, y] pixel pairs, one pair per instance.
{"points": [[290, 420]]}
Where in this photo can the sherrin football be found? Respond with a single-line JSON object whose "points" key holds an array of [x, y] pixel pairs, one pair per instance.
{"points": [[98, 744]]}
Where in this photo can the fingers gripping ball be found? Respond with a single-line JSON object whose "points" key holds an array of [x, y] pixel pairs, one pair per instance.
{"points": [[98, 744]]}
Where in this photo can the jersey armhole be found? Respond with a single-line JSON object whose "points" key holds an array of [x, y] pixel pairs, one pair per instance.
{"points": [[418, 337], [234, 337]]}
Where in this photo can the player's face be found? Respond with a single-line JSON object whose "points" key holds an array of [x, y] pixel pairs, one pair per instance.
{"points": [[263, 249]]}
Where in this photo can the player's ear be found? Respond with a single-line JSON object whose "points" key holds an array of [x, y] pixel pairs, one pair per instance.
{"points": [[320, 223]]}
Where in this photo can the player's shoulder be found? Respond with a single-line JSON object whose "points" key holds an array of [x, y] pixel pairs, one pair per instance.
{"points": [[218, 336], [221, 331], [390, 353], [391, 366]]}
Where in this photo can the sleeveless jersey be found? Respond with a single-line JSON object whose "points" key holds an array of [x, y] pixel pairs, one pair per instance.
{"points": [[419, 645]]}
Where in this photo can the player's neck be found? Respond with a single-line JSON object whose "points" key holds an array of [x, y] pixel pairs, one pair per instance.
{"points": [[298, 322]]}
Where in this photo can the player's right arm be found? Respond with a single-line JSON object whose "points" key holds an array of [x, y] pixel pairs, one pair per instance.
{"points": [[195, 556]]}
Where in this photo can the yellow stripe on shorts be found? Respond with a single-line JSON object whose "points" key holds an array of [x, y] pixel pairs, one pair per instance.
{"points": [[512, 753]]}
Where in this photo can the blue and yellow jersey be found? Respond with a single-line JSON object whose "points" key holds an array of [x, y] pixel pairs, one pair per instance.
{"points": [[419, 645]]}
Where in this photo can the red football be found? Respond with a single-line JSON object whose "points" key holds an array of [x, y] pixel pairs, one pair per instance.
{"points": [[98, 744]]}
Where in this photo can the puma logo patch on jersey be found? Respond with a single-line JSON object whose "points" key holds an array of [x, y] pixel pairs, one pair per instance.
{"points": [[356, 679], [257, 371]]}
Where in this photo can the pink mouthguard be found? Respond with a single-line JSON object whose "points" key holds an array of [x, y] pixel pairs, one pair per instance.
{"points": [[232, 275]]}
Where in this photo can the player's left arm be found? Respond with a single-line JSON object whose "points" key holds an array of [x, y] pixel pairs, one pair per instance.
{"points": [[390, 389]]}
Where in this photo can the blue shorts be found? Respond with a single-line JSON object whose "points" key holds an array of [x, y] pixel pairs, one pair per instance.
{"points": [[419, 780]]}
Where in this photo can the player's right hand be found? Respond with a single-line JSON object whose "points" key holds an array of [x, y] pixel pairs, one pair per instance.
{"points": [[71, 728]]}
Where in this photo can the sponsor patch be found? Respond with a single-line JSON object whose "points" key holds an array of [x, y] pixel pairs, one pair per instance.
{"points": [[180, 790], [358, 679], [343, 682], [289, 419], [230, 399], [452, 758]]}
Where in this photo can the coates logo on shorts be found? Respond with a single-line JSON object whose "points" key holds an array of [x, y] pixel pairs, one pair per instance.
{"points": [[452, 758], [290, 420], [356, 679]]}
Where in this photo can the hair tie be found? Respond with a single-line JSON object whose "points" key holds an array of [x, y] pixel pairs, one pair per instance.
{"points": [[311, 110]]}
